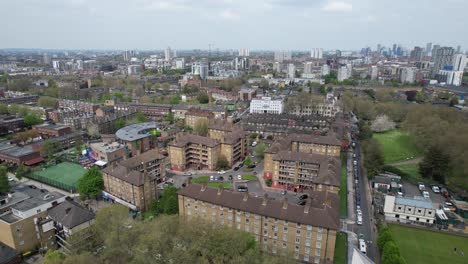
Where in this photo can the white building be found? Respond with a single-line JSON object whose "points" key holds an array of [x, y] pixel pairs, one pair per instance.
{"points": [[167, 54], [200, 68], [291, 71], [308, 67], [459, 62], [180, 63], [266, 106], [277, 66], [374, 72], [316, 53], [244, 52], [134, 69], [325, 70], [281, 56], [408, 74], [450, 77], [342, 73], [409, 210]]}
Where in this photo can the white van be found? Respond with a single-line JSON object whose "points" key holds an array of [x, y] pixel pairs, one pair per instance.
{"points": [[362, 246], [359, 219]]}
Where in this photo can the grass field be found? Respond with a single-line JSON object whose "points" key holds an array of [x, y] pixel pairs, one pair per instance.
{"points": [[421, 246], [411, 169], [206, 179], [340, 248], [249, 177], [65, 172], [397, 146], [343, 188]]}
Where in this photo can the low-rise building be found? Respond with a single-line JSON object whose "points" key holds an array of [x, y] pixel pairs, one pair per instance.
{"points": [[247, 94], [50, 130], [69, 218], [10, 124], [108, 152], [194, 115], [266, 105], [133, 182], [307, 232], [283, 124], [21, 211], [78, 105], [19, 155], [408, 210]]}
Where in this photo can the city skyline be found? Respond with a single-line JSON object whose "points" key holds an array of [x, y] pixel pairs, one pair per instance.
{"points": [[229, 24]]}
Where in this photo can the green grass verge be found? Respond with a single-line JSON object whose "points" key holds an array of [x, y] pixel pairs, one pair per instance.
{"points": [[343, 188], [423, 246], [201, 179], [411, 169], [341, 248], [226, 185], [397, 146], [249, 177]]}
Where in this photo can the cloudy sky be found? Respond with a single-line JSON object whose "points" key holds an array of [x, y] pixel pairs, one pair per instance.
{"points": [[254, 24]]}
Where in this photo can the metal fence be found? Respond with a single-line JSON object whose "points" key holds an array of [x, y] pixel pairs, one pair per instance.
{"points": [[51, 182]]}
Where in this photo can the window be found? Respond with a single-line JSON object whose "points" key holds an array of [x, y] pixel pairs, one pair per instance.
{"points": [[319, 236], [238, 226], [308, 234], [265, 239], [285, 245], [317, 252], [21, 242], [296, 248], [307, 243], [256, 230], [247, 214], [265, 232], [307, 250], [409, 209], [320, 229], [309, 227], [306, 257], [265, 224], [285, 237], [318, 244], [274, 250], [247, 228], [285, 229], [399, 207], [275, 228], [419, 210], [298, 240], [285, 222], [298, 225], [298, 232], [317, 260], [430, 212], [238, 219]]}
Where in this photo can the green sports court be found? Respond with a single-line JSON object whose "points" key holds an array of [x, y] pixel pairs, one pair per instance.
{"points": [[63, 175]]}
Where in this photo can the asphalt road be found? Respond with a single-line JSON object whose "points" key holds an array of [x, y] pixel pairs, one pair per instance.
{"points": [[368, 227]]}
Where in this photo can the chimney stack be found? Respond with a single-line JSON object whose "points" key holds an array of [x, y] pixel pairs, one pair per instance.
{"points": [[220, 189], [285, 203], [246, 196], [265, 199], [307, 205]]}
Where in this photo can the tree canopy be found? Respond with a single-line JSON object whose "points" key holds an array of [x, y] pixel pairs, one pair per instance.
{"points": [[90, 184], [4, 184]]}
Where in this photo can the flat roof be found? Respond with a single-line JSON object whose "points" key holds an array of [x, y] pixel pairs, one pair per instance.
{"points": [[15, 151], [136, 131], [417, 201]]}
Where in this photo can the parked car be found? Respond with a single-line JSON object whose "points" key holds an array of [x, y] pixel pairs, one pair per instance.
{"points": [[10, 179], [220, 178], [212, 178], [425, 194], [362, 246], [435, 189], [303, 196], [301, 202], [354, 155], [421, 186], [221, 172], [236, 168], [252, 166], [187, 174], [242, 188], [239, 177], [355, 162], [359, 219]]}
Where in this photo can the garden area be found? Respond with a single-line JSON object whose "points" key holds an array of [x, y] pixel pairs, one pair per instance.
{"points": [[425, 246]]}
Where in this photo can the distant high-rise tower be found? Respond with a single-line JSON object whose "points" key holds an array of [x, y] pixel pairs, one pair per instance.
{"points": [[46, 58], [175, 53], [459, 62], [458, 49], [167, 54], [291, 71], [126, 55], [428, 48], [244, 52], [416, 54], [316, 53], [281, 56], [442, 58]]}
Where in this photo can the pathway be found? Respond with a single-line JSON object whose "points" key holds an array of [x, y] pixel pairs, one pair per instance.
{"points": [[407, 162]]}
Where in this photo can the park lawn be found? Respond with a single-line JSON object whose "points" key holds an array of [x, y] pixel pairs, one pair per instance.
{"points": [[340, 248], [411, 169], [397, 146], [424, 246], [343, 188], [201, 179], [249, 177]]}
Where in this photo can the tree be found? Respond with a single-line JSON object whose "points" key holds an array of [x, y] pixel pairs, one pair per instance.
{"points": [[145, 99], [31, 120], [3, 109], [253, 136], [201, 127], [174, 100], [260, 149], [391, 254], [435, 164], [49, 148], [454, 100], [203, 98], [46, 101], [168, 203], [53, 257], [373, 157], [365, 131], [21, 172], [384, 237], [169, 117], [79, 144], [222, 163], [141, 118], [248, 161], [382, 123], [119, 123], [4, 184], [166, 86], [91, 184]]}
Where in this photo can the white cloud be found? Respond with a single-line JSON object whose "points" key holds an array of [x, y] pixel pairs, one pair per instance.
{"points": [[229, 15], [337, 6]]}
